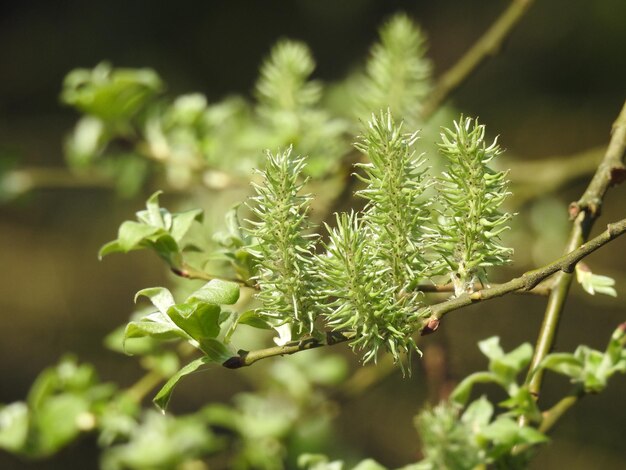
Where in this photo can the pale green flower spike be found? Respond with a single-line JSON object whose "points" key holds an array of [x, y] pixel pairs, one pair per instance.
{"points": [[470, 223], [283, 251]]}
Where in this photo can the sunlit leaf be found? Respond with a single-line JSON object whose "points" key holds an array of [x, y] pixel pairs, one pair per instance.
{"points": [[162, 398], [217, 292], [160, 297]]}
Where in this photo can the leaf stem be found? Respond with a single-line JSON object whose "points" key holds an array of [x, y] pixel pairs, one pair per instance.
{"points": [[488, 44]]}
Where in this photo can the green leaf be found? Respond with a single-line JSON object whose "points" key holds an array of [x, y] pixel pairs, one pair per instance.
{"points": [[253, 319], [522, 403], [593, 283], [478, 413], [490, 347], [111, 247], [199, 320], [163, 397], [182, 222], [132, 346], [156, 325], [215, 350], [216, 292], [509, 365], [506, 433], [563, 363], [131, 234], [160, 297], [110, 94], [56, 422]]}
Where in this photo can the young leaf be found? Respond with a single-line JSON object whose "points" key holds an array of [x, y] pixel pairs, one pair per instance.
{"points": [[462, 391], [155, 325], [199, 320], [160, 297], [162, 398], [181, 223], [217, 292]]}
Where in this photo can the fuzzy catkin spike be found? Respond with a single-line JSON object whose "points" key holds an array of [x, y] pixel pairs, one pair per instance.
{"points": [[359, 298], [398, 72], [284, 253], [471, 193], [283, 84], [396, 212]]}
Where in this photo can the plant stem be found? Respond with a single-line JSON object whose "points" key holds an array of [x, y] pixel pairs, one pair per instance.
{"points": [[584, 211], [488, 44], [189, 272], [530, 279], [138, 391], [542, 289], [247, 358], [551, 416]]}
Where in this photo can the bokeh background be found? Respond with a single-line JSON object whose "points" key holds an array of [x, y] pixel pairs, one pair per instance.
{"points": [[554, 90]]}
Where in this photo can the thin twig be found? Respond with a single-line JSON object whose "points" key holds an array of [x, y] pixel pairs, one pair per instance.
{"points": [[542, 289], [488, 44], [189, 272], [585, 211], [551, 416], [528, 280], [146, 383], [247, 358]]}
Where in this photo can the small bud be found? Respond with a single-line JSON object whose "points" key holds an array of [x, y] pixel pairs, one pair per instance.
{"points": [[431, 326]]}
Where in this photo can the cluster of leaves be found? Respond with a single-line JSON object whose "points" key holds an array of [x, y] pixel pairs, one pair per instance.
{"points": [[62, 403], [131, 131], [157, 229], [258, 430], [589, 369], [453, 438], [459, 434]]}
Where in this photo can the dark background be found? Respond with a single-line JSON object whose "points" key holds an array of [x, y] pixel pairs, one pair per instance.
{"points": [[555, 89]]}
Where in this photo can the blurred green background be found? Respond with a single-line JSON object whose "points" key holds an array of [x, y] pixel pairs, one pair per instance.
{"points": [[554, 90]]}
